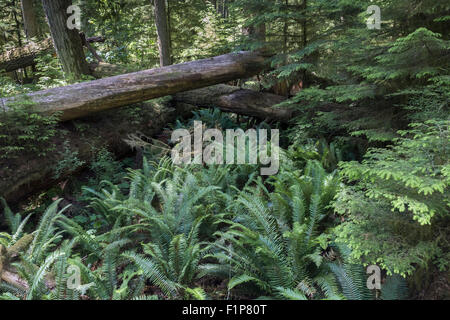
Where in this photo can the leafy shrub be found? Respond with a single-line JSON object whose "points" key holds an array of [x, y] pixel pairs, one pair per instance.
{"points": [[23, 132], [69, 161], [397, 208]]}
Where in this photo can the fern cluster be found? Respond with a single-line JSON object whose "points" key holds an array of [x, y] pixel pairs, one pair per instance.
{"points": [[177, 226], [277, 241]]}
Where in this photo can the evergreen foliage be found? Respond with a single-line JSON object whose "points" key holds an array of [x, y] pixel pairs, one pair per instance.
{"points": [[364, 177]]}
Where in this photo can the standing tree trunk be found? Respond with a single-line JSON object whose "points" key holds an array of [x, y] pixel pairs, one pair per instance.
{"points": [[305, 37], [162, 29], [67, 42], [304, 23], [30, 20], [285, 32], [16, 20]]}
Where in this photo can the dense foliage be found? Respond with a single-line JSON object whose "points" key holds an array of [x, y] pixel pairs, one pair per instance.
{"points": [[364, 177]]}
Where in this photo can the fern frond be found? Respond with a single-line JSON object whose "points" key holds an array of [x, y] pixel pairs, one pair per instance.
{"points": [[394, 288], [152, 272]]}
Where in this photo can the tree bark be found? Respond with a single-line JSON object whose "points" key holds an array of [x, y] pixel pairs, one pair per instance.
{"points": [[304, 23], [67, 42], [26, 55], [30, 20], [24, 176], [82, 99], [239, 101], [14, 280], [163, 31]]}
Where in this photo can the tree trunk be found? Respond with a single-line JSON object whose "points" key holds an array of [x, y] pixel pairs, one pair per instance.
{"points": [[163, 33], [82, 99], [26, 175], [304, 23], [239, 101], [22, 177], [30, 20], [19, 36], [25, 56], [67, 42], [14, 280]]}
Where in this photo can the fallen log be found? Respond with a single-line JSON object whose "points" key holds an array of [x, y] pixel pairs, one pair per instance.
{"points": [[24, 57], [239, 101], [83, 99], [25, 175], [227, 98], [14, 280], [7, 256]]}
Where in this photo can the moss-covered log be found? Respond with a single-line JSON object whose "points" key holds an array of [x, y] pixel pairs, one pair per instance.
{"points": [[28, 174], [83, 99], [239, 101], [25, 56]]}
